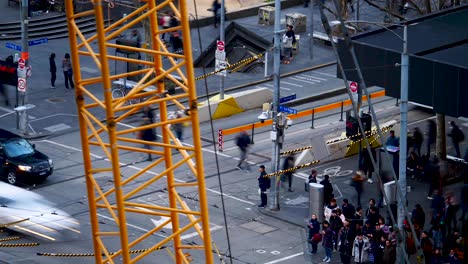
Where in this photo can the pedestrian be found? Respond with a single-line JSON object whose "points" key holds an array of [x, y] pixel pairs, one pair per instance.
{"points": [[289, 40], [215, 7], [431, 135], [148, 113], [312, 179], [436, 234], [433, 174], [411, 164], [53, 70], [367, 165], [417, 141], [335, 224], [288, 164], [147, 135], [450, 214], [392, 140], [243, 143], [329, 208], [426, 246], [457, 136], [361, 247], [437, 257], [327, 189], [173, 22], [345, 242], [165, 23], [357, 221], [452, 258], [306, 3], [179, 127], [348, 210], [264, 183], [176, 43], [3, 92], [314, 228], [373, 216], [327, 241], [357, 183], [67, 71], [389, 255], [418, 216]]}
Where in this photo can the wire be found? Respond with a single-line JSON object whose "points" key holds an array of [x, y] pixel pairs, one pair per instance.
{"points": [[213, 138]]}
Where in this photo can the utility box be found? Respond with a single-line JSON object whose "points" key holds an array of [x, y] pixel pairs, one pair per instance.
{"points": [[298, 21], [266, 15]]}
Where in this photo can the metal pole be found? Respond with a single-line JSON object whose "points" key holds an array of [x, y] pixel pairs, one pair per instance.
{"points": [[221, 36], [356, 13], [24, 55], [274, 191], [403, 133], [311, 44], [266, 64]]}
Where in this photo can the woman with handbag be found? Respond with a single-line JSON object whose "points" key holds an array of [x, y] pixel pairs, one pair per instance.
{"points": [[314, 236], [67, 71]]}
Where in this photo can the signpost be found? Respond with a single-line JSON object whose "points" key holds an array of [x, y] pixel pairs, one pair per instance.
{"points": [[287, 98], [287, 110], [13, 46]]}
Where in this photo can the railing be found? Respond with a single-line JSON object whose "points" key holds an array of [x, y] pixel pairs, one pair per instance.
{"points": [[305, 113]]}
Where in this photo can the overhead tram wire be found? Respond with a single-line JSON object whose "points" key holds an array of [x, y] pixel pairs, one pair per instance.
{"points": [[213, 138]]}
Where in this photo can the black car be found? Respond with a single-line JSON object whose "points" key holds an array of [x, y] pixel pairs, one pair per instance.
{"points": [[20, 161]]}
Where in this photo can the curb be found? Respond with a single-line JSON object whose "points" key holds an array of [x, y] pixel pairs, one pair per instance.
{"points": [[242, 13], [269, 213]]}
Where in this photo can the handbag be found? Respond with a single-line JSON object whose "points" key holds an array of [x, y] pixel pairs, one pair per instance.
{"points": [[317, 238]]}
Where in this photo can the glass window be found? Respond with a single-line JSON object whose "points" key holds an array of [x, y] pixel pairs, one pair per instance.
{"points": [[17, 147]]}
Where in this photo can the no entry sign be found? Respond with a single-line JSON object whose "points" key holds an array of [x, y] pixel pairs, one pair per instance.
{"points": [[220, 45], [21, 63], [353, 86]]}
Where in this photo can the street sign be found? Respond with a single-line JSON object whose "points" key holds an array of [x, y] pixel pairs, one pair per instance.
{"points": [[287, 98], [353, 86], [21, 72], [287, 110], [220, 55], [21, 64], [220, 45], [221, 64], [21, 84], [37, 41], [12, 46]]}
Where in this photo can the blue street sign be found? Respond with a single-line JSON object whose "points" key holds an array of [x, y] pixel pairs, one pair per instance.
{"points": [[13, 46], [37, 41], [287, 110], [287, 98]]}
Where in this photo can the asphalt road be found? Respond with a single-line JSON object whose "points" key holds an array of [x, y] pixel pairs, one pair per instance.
{"points": [[269, 239]]}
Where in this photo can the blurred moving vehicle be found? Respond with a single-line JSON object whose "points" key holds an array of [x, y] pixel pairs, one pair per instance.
{"points": [[30, 213], [20, 162]]}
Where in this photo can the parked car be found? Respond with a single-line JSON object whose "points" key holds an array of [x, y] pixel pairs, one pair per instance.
{"points": [[20, 161]]}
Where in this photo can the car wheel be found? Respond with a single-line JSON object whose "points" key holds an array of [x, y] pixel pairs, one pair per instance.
{"points": [[12, 178]]}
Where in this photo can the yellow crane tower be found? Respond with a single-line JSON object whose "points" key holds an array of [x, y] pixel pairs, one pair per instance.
{"points": [[112, 138]]}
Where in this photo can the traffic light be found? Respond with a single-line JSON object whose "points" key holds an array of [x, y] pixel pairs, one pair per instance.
{"points": [[351, 126]]}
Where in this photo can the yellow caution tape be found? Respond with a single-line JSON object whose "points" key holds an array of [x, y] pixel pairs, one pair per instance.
{"points": [[20, 245], [291, 169], [243, 62], [69, 255], [295, 150], [9, 238]]}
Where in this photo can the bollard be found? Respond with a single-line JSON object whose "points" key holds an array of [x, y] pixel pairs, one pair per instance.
{"points": [[253, 127], [313, 117], [341, 114], [316, 205]]}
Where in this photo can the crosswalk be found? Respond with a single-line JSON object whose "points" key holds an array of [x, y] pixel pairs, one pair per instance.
{"points": [[300, 81]]}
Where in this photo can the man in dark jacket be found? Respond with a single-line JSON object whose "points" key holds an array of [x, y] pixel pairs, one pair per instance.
{"points": [[243, 142], [147, 135], [417, 141], [53, 70], [348, 210], [263, 184], [457, 136], [335, 225], [431, 135], [288, 164], [327, 189], [314, 228], [345, 242]]}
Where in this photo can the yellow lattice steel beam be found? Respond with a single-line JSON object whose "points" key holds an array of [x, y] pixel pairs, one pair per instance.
{"points": [[99, 118]]}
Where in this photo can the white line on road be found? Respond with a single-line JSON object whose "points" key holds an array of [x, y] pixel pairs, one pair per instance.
{"points": [[297, 85], [285, 258], [271, 85], [327, 74], [306, 81], [151, 172], [49, 116], [6, 109], [134, 226], [314, 77], [338, 189]]}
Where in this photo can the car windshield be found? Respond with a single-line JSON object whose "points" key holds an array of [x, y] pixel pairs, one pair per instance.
{"points": [[17, 147]]}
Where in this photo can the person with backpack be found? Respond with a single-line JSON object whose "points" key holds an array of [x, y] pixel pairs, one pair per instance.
{"points": [[457, 136], [289, 39], [243, 142], [264, 183]]}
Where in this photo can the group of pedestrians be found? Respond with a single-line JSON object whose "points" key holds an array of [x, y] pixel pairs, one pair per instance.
{"points": [[167, 21], [66, 68]]}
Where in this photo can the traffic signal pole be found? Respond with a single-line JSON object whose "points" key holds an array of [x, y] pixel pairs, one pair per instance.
{"points": [[25, 56]]}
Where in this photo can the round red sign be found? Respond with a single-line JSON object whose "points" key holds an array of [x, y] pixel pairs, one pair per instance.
{"points": [[220, 45], [353, 86]]}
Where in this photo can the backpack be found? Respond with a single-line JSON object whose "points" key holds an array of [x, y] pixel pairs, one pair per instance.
{"points": [[458, 135], [268, 182]]}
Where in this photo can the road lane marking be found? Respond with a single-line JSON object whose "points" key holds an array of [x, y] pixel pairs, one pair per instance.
{"points": [[306, 81], [315, 77], [297, 85], [151, 172], [130, 225], [285, 258], [326, 74]]}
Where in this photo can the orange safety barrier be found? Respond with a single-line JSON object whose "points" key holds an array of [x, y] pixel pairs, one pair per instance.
{"points": [[304, 113]]}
